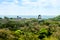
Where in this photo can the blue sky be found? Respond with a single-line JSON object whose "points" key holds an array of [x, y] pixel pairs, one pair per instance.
{"points": [[29, 7]]}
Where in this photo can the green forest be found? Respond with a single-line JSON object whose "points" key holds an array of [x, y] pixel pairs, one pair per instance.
{"points": [[30, 29]]}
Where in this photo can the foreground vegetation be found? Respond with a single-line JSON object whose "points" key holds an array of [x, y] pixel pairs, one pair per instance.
{"points": [[30, 29]]}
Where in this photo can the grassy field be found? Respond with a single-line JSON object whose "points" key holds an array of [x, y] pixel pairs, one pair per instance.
{"points": [[30, 29]]}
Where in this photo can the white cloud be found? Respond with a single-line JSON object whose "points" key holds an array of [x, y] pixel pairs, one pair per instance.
{"points": [[44, 7]]}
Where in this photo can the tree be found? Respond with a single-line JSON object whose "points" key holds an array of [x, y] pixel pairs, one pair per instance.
{"points": [[6, 18], [0, 18]]}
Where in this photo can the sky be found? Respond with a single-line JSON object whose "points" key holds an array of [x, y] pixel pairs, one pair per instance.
{"points": [[29, 7]]}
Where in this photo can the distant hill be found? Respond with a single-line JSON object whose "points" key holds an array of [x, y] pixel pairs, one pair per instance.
{"points": [[57, 18]]}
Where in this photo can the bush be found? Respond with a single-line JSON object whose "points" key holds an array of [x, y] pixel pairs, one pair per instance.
{"points": [[6, 35]]}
